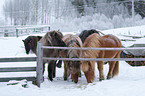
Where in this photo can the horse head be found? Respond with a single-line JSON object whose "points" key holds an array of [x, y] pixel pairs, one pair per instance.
{"points": [[74, 66], [30, 43], [54, 38], [74, 69]]}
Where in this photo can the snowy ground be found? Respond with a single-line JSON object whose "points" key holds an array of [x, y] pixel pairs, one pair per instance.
{"points": [[129, 82]]}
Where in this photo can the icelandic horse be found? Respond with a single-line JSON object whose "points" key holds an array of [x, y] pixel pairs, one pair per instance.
{"points": [[96, 41], [71, 67], [51, 38], [30, 43]]}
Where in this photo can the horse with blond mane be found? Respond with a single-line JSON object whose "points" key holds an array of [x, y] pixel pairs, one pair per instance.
{"points": [[96, 41]]}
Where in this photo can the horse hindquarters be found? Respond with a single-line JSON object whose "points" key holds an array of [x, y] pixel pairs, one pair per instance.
{"points": [[51, 70]]}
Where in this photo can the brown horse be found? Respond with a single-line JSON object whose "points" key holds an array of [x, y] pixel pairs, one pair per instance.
{"points": [[52, 38], [96, 41], [30, 43], [72, 67]]}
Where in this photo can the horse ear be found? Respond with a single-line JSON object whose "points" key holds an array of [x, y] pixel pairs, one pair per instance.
{"points": [[39, 37]]}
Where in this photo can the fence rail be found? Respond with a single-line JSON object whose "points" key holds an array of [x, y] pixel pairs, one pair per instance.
{"points": [[96, 59], [23, 30], [17, 69], [90, 48], [18, 59]]}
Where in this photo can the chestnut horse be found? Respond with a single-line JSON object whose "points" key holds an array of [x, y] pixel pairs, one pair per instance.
{"points": [[72, 67], [96, 41]]}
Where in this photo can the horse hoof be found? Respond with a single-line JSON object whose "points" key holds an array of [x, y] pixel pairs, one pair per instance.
{"points": [[76, 81], [101, 79], [89, 81], [34, 82], [65, 78], [50, 79], [109, 77]]}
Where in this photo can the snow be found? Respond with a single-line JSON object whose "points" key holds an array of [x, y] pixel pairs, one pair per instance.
{"points": [[129, 82]]}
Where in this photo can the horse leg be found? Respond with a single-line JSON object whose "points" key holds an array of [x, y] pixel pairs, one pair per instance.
{"points": [[51, 68], [59, 64], [80, 75], [54, 70], [116, 68], [43, 70], [111, 68], [100, 68], [66, 73]]}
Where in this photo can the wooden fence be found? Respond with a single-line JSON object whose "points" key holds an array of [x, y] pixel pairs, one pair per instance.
{"points": [[17, 69], [40, 58], [17, 31]]}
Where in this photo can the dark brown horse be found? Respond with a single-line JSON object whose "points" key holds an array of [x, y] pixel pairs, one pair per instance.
{"points": [[30, 43], [52, 38], [72, 67], [96, 41]]}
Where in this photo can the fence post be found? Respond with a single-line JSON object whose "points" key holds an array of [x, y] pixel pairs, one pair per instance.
{"points": [[17, 33], [49, 28], [39, 69]]}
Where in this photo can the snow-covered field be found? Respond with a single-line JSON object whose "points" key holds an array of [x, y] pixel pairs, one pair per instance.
{"points": [[129, 82]]}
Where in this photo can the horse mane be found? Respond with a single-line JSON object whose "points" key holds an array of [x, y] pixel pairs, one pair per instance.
{"points": [[93, 41], [52, 37], [72, 41], [85, 33]]}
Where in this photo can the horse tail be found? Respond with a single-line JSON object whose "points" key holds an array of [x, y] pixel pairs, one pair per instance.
{"points": [[116, 69]]}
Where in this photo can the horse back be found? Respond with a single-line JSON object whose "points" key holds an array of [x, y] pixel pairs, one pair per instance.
{"points": [[110, 41]]}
